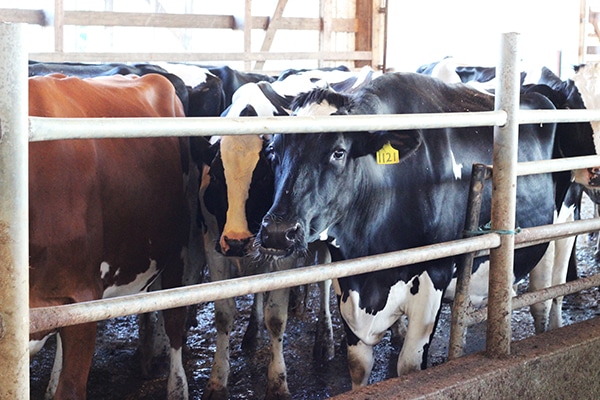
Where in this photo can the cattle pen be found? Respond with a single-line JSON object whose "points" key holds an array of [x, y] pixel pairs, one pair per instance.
{"points": [[16, 319]]}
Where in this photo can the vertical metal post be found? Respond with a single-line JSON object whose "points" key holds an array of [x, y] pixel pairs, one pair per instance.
{"points": [[464, 264], [504, 190], [14, 206]]}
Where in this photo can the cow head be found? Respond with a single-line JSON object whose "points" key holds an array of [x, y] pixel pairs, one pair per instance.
{"points": [[318, 177], [580, 138], [239, 193]]}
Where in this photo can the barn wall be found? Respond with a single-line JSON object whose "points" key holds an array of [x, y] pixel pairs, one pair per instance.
{"points": [[426, 31]]}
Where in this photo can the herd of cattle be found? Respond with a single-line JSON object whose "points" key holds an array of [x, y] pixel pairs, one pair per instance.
{"points": [[110, 216]]}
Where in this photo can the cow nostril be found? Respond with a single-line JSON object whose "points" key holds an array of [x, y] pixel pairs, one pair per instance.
{"points": [[291, 233]]}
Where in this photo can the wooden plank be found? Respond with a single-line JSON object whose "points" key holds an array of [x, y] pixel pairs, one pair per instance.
{"points": [[248, 25], [364, 29], [59, 27], [326, 13], [95, 18], [271, 29], [36, 17], [199, 57], [201, 21], [306, 24]]}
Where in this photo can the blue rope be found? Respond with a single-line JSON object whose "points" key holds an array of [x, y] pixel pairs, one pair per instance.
{"points": [[487, 228]]}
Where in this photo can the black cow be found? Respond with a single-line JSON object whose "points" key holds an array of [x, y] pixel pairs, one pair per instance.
{"points": [[233, 79], [235, 199], [572, 139], [333, 183]]}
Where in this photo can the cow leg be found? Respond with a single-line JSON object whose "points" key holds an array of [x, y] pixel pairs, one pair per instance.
{"points": [[78, 350], [539, 278], [174, 326], [324, 348], [360, 359], [422, 311], [177, 387], [563, 251], [56, 369], [152, 336], [276, 320], [255, 323], [225, 311]]}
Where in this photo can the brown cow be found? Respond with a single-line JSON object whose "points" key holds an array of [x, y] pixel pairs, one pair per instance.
{"points": [[106, 216]]}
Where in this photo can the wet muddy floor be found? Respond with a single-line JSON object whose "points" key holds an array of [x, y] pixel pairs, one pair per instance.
{"points": [[116, 373]]}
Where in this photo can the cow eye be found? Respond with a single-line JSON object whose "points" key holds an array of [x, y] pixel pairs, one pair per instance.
{"points": [[338, 155]]}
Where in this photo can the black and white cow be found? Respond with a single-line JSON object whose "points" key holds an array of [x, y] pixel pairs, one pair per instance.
{"points": [[560, 262], [333, 183], [236, 193]]}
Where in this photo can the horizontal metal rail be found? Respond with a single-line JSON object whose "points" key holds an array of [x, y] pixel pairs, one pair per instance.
{"points": [[45, 318], [41, 128], [52, 317], [475, 316]]}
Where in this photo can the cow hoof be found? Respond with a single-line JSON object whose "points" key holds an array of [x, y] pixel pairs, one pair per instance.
{"points": [[214, 391]]}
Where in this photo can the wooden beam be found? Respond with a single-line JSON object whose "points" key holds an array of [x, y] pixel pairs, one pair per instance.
{"points": [[35, 17], [270, 33], [326, 13], [200, 57], [95, 18], [248, 25], [364, 29], [59, 27]]}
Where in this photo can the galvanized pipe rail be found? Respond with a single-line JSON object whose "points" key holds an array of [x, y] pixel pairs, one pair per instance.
{"points": [[14, 229], [47, 129], [504, 200]]}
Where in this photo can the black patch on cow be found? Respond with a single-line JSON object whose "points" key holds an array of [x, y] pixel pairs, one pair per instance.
{"points": [[415, 286]]}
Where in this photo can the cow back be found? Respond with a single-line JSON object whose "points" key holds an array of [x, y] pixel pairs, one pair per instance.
{"points": [[103, 212]]}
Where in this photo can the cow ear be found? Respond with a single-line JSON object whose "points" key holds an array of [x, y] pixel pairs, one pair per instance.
{"points": [[383, 145]]}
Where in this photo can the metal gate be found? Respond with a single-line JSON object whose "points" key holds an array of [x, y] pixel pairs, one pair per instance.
{"points": [[16, 129]]}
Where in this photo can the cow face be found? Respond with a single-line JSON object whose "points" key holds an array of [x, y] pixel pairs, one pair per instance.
{"points": [[318, 177], [580, 138], [240, 192]]}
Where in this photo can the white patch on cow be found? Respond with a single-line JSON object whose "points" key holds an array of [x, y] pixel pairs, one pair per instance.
{"points": [[250, 94], [456, 168], [240, 155], [371, 328], [587, 81], [446, 71], [296, 84], [141, 282], [177, 383], [191, 75], [478, 288], [36, 345], [319, 110], [324, 235], [104, 269]]}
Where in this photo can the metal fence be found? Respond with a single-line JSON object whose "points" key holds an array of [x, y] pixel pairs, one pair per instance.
{"points": [[16, 320]]}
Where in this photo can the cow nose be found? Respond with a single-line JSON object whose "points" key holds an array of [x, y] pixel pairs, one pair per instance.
{"points": [[279, 235], [594, 176], [231, 247]]}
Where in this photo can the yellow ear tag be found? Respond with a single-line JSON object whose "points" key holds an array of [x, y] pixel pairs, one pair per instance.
{"points": [[388, 155]]}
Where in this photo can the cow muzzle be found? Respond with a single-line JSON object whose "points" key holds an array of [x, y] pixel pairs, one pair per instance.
{"points": [[594, 176], [233, 247], [279, 238]]}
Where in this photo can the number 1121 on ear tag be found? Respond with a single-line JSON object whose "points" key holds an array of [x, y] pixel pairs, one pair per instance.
{"points": [[388, 155]]}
